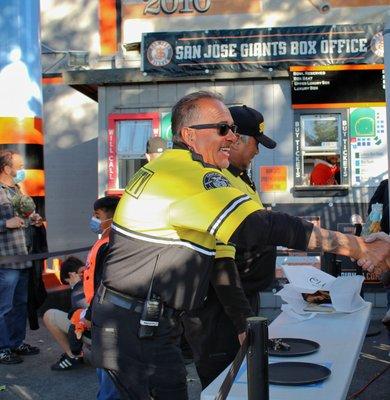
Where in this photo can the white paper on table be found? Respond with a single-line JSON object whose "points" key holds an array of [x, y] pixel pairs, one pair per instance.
{"points": [[295, 303], [307, 279], [344, 291]]}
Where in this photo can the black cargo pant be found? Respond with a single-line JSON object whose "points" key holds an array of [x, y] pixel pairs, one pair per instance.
{"points": [[212, 337], [142, 369]]}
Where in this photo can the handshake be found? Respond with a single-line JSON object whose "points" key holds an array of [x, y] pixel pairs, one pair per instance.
{"points": [[375, 253]]}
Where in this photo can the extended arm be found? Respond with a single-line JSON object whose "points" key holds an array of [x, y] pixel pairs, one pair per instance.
{"points": [[267, 227]]}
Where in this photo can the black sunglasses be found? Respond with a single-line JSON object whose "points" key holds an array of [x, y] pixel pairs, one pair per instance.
{"points": [[223, 128]]}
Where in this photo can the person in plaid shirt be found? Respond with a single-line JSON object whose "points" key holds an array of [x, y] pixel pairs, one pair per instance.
{"points": [[13, 275]]}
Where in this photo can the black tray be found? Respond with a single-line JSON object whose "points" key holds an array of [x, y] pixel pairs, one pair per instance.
{"points": [[297, 373], [298, 347]]}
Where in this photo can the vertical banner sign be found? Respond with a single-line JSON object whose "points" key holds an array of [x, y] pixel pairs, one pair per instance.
{"points": [[112, 168], [298, 159], [344, 157], [204, 52]]}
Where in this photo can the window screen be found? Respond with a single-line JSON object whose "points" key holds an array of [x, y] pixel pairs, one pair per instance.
{"points": [[321, 131], [132, 137]]}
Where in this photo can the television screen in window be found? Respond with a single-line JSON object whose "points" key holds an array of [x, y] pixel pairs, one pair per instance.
{"points": [[320, 131]]}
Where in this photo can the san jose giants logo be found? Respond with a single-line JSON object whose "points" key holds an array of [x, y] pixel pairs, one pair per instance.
{"points": [[213, 180], [378, 44], [159, 53]]}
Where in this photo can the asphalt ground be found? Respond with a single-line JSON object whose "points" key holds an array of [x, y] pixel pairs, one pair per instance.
{"points": [[33, 379]]}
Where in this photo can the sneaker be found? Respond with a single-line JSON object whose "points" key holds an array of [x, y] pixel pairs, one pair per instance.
{"points": [[66, 363], [25, 350], [7, 357]]}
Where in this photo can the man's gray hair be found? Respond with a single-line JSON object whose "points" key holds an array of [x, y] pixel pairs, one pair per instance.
{"points": [[185, 110], [244, 138]]}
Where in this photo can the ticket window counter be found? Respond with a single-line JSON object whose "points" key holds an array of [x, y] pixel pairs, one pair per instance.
{"points": [[127, 138], [321, 153]]}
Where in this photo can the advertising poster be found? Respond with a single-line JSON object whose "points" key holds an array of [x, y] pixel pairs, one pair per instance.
{"points": [[368, 141], [273, 178], [166, 127]]}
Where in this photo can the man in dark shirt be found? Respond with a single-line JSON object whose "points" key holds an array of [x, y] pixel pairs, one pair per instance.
{"points": [[174, 215], [212, 331]]}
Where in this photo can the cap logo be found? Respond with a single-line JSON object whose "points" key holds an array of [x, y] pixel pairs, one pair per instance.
{"points": [[213, 180], [261, 127]]}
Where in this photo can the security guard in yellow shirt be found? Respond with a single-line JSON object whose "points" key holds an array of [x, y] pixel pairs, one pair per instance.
{"points": [[162, 246], [212, 331]]}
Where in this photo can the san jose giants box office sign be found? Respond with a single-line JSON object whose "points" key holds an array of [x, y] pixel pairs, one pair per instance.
{"points": [[199, 52]]}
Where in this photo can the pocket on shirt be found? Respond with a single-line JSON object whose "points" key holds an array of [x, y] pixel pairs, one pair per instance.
{"points": [[6, 210]]}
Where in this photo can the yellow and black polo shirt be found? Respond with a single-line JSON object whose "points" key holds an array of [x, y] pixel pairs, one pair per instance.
{"points": [[181, 210], [240, 180], [256, 265]]}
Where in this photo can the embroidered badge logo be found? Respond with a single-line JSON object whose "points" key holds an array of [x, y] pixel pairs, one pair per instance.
{"points": [[213, 180], [261, 127]]}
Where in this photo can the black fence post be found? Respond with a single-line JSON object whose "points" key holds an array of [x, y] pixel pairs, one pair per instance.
{"points": [[257, 358]]}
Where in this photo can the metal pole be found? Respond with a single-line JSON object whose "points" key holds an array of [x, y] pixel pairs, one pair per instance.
{"points": [[257, 358], [386, 35]]}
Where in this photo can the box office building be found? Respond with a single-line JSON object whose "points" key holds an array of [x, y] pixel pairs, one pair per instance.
{"points": [[315, 69]]}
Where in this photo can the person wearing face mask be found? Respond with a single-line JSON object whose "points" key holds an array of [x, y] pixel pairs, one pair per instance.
{"points": [[13, 275], [104, 209], [71, 329]]}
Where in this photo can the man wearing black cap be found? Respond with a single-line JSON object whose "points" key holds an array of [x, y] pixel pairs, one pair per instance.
{"points": [[256, 266], [213, 331], [154, 148]]}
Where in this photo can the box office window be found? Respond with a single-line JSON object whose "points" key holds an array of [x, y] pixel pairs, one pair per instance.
{"points": [[132, 137], [320, 133], [127, 138], [321, 153]]}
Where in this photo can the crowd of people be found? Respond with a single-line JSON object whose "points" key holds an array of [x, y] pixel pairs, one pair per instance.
{"points": [[190, 226]]}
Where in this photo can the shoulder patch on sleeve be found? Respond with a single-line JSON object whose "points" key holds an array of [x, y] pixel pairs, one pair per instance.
{"points": [[137, 184], [214, 180]]}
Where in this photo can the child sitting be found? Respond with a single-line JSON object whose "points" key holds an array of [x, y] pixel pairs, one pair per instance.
{"points": [[65, 331]]}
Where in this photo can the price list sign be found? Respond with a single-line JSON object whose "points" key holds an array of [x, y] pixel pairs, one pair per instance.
{"points": [[343, 85]]}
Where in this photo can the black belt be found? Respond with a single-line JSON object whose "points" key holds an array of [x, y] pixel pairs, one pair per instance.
{"points": [[130, 303]]}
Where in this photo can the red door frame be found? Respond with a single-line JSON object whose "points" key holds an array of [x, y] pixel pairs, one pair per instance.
{"points": [[112, 160]]}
